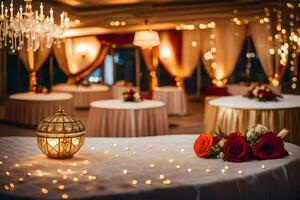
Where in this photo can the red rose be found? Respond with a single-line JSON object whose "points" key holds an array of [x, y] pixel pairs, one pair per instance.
{"points": [[233, 134], [269, 146], [236, 149]]}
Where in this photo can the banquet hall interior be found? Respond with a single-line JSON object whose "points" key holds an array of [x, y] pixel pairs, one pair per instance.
{"points": [[155, 97]]}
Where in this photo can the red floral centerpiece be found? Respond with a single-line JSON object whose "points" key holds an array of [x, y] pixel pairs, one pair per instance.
{"points": [[262, 92], [132, 96], [257, 143], [40, 89]]}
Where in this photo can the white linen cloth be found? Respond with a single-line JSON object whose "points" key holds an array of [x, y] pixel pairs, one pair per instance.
{"points": [[118, 90], [240, 102], [174, 99], [83, 96], [116, 118], [239, 89], [30, 108], [160, 159], [234, 113]]}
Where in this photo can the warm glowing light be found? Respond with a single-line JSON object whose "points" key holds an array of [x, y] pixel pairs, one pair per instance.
{"points": [[81, 49], [272, 51], [219, 83], [60, 139], [194, 43], [146, 39], [165, 53]]}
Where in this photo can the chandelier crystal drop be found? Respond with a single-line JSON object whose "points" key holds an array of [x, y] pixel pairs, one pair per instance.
{"points": [[30, 29]]}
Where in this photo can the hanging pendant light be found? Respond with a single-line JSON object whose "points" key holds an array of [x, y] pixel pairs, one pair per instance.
{"points": [[146, 38]]}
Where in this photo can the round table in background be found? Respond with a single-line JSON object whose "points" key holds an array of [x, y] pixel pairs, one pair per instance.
{"points": [[118, 90], [30, 108], [116, 118], [240, 113], [139, 168], [174, 99], [83, 96], [242, 89]]}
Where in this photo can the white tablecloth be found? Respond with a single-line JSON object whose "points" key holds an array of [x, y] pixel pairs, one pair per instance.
{"points": [[118, 90], [118, 168], [174, 98], [239, 89], [30, 108], [83, 96], [240, 113], [116, 118]]}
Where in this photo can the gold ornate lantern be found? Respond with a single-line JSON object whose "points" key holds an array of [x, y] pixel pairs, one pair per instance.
{"points": [[60, 136]]}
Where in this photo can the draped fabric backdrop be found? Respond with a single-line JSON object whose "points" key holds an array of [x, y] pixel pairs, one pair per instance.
{"points": [[77, 57], [150, 56], [262, 35], [33, 60], [179, 53], [3, 72], [227, 40]]}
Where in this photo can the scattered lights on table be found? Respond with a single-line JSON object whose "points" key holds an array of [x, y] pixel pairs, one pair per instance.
{"points": [[161, 176], [67, 175], [148, 182], [44, 191], [167, 182], [61, 187], [152, 165], [134, 182], [64, 196]]}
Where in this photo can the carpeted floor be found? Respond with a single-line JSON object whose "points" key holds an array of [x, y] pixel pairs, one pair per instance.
{"points": [[189, 124]]}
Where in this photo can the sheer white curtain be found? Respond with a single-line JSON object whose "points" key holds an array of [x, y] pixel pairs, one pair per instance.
{"points": [[180, 62], [260, 34], [225, 43]]}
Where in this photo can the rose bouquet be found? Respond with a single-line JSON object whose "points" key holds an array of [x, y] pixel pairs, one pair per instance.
{"points": [[257, 143], [262, 93], [40, 89], [83, 83], [132, 96]]}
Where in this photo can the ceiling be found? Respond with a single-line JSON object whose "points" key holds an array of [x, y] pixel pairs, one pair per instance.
{"points": [[96, 15]]}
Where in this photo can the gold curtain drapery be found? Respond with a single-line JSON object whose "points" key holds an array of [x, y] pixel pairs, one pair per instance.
{"points": [[150, 56], [221, 48], [266, 49], [179, 53], [77, 57], [33, 60]]}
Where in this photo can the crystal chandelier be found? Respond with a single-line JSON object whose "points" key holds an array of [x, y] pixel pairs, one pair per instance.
{"points": [[32, 29]]}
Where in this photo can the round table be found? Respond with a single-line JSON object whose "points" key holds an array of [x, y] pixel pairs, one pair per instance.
{"points": [[242, 89], [240, 113], [116, 118], [174, 98], [83, 96], [152, 168], [118, 90], [30, 108]]}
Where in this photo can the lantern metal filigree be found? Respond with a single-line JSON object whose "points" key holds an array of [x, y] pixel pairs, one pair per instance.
{"points": [[60, 136]]}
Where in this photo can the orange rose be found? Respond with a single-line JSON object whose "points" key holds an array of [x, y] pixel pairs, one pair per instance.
{"points": [[203, 145]]}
